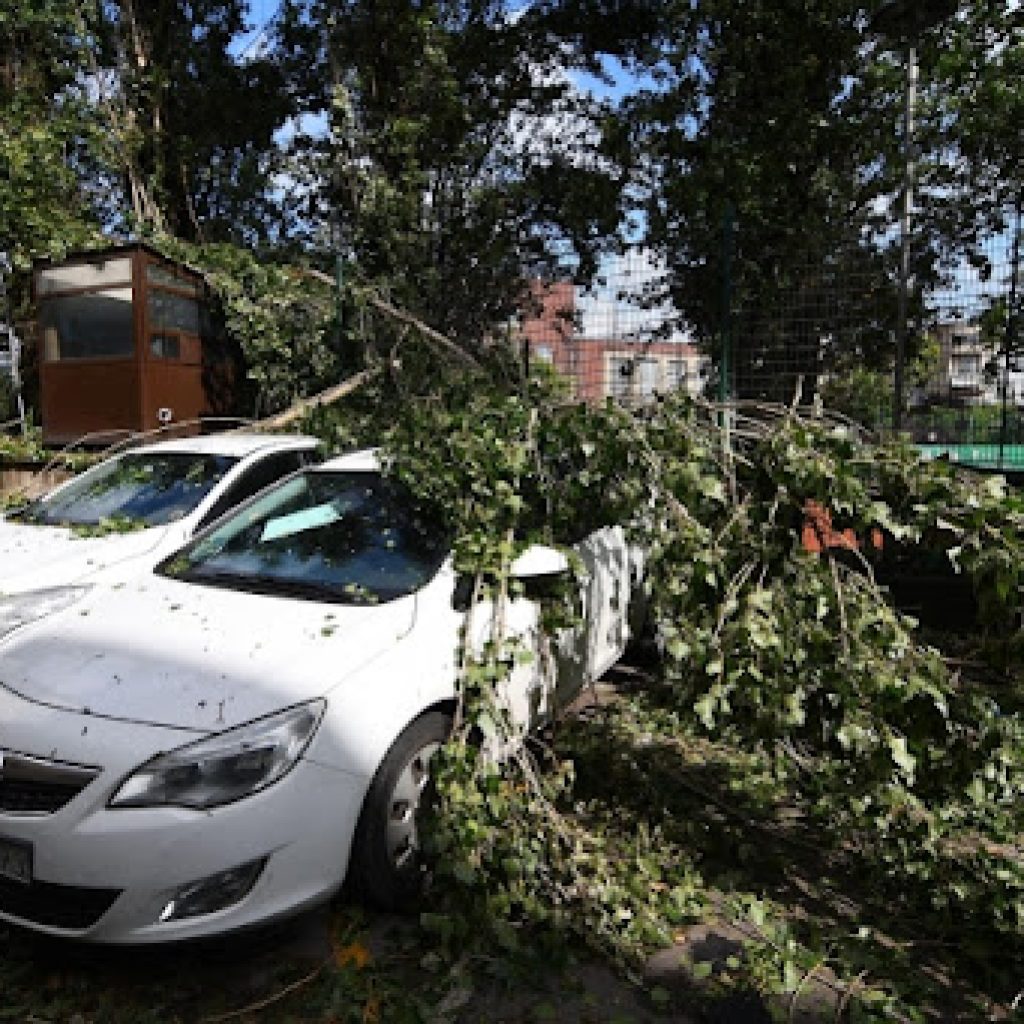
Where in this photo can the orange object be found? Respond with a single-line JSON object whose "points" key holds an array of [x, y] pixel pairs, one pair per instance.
{"points": [[818, 533]]}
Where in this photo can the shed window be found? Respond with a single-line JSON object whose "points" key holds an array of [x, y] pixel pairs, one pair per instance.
{"points": [[158, 274], [97, 325], [100, 274], [165, 346], [173, 312]]}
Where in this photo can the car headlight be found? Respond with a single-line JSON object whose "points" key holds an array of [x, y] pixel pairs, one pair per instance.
{"points": [[225, 767], [19, 609]]}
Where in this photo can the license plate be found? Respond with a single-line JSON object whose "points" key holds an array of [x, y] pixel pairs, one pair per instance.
{"points": [[15, 861]]}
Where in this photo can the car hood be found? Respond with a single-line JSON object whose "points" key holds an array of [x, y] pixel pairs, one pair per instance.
{"points": [[33, 557], [162, 652]]}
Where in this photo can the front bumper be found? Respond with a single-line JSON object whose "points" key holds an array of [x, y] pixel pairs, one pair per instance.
{"points": [[105, 874]]}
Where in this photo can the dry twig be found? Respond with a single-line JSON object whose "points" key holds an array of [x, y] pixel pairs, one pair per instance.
{"points": [[274, 997]]}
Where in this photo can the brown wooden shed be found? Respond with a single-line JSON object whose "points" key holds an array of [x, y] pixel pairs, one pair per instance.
{"points": [[120, 342]]}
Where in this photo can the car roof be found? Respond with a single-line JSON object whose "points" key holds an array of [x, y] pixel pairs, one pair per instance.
{"points": [[365, 461], [234, 445]]}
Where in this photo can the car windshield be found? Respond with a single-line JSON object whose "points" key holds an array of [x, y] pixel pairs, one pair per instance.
{"points": [[139, 488], [346, 537]]}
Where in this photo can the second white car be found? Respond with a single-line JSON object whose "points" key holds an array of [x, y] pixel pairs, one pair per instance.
{"points": [[131, 510]]}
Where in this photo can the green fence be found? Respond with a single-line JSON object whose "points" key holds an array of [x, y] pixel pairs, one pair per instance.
{"points": [[1005, 458]]}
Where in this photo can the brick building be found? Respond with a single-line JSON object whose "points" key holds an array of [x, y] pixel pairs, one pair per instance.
{"points": [[628, 369]]}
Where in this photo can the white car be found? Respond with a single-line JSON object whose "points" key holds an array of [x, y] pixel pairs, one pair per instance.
{"points": [[132, 510], [219, 742]]}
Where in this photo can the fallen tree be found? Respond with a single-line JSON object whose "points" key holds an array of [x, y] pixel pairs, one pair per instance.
{"points": [[907, 758]]}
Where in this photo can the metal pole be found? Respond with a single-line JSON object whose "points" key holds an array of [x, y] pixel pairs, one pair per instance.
{"points": [[1010, 341], [903, 303], [725, 328]]}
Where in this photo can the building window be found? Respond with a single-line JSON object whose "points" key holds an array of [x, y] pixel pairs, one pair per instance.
{"points": [[544, 354], [649, 373], [620, 376]]}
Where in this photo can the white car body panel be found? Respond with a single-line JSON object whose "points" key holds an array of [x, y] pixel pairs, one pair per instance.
{"points": [[134, 670], [222, 658], [37, 557], [149, 852]]}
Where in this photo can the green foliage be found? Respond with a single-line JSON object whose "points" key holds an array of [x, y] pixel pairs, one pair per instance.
{"points": [[785, 115], [440, 181], [976, 70], [788, 121], [863, 394], [190, 125], [758, 176], [46, 128], [16, 448], [802, 652], [108, 525], [283, 318], [29, 448]]}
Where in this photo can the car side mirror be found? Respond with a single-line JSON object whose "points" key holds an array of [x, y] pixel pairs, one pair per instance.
{"points": [[539, 560], [537, 563]]}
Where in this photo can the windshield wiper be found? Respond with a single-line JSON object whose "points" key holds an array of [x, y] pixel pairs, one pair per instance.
{"points": [[275, 586]]}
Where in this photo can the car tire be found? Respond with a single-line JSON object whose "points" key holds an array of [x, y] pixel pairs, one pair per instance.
{"points": [[387, 869]]}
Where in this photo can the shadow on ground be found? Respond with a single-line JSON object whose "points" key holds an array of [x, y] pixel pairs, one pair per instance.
{"points": [[829, 894], [336, 964]]}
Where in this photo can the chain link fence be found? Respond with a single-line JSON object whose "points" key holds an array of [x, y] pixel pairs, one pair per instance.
{"points": [[797, 329], [618, 337]]}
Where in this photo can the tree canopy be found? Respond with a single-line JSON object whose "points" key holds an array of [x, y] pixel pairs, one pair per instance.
{"points": [[447, 152]]}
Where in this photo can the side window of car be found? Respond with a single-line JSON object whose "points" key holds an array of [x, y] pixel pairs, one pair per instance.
{"points": [[253, 480]]}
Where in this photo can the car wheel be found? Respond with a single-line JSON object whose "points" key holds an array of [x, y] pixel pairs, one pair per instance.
{"points": [[387, 866]]}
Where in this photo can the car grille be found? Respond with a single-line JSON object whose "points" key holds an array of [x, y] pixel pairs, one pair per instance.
{"points": [[32, 785], [58, 906]]}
